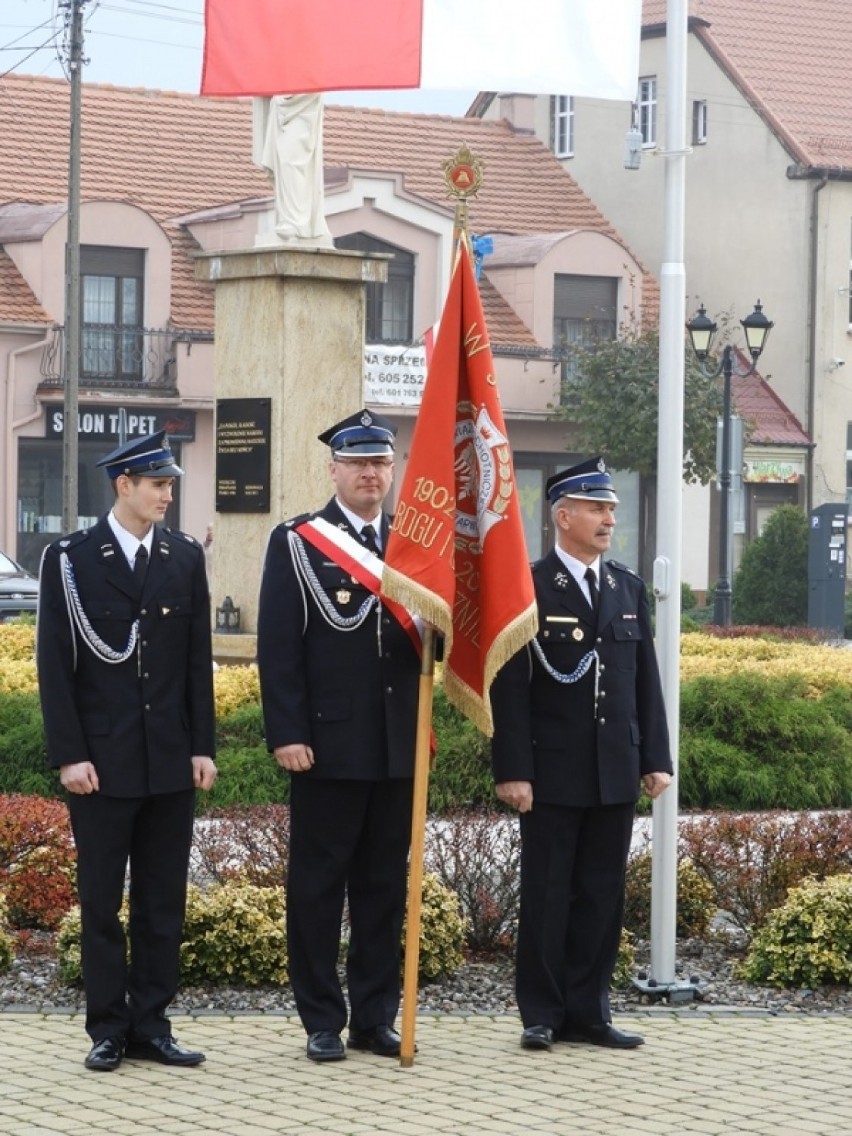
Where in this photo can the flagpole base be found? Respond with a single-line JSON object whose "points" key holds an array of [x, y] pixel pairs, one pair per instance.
{"points": [[675, 993]]}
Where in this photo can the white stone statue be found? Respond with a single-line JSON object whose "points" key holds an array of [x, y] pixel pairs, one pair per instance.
{"points": [[287, 143]]}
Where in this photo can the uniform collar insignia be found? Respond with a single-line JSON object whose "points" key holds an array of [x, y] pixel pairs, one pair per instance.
{"points": [[611, 581], [561, 579], [107, 550]]}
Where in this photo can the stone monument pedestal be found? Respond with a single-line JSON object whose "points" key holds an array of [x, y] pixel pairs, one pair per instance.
{"points": [[290, 328]]}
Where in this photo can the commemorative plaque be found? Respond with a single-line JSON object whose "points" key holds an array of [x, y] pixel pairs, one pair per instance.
{"points": [[242, 455]]}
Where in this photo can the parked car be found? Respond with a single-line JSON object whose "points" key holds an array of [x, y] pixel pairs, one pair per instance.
{"points": [[18, 589]]}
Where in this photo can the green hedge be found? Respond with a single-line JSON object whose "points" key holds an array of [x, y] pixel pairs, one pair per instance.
{"points": [[747, 742]]}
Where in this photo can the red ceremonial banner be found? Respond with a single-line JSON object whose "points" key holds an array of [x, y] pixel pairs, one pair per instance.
{"points": [[456, 554]]}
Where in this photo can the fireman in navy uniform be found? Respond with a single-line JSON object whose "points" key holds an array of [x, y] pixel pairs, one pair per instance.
{"points": [[339, 679], [125, 677], [579, 723]]}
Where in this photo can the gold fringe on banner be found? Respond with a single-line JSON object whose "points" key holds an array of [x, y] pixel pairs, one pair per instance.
{"points": [[510, 640], [420, 601]]}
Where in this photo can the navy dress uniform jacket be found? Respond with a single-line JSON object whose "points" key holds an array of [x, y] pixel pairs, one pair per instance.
{"points": [[547, 732], [351, 695], [140, 721]]}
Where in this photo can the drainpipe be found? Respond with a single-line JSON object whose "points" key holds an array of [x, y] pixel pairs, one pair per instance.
{"points": [[8, 512], [813, 268]]}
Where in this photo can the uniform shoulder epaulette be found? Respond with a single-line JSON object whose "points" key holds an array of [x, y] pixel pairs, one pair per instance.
{"points": [[294, 521], [180, 535], [619, 567], [72, 540]]}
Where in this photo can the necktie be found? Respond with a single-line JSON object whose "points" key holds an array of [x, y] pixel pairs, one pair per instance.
{"points": [[368, 535], [592, 581], [140, 565]]}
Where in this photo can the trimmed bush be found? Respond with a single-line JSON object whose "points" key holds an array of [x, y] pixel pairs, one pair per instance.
{"points": [[462, 777], [752, 860], [442, 931], [751, 743], [696, 899], [807, 942], [625, 962], [23, 768], [771, 583], [477, 855], [37, 861], [233, 935], [247, 844], [7, 952]]}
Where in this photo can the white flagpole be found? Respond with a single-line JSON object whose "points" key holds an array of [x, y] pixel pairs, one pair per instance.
{"points": [[667, 566]]}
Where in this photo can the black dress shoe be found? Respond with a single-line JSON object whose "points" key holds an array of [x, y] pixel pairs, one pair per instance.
{"points": [[325, 1045], [381, 1040], [537, 1037], [165, 1050], [606, 1035], [105, 1055]]}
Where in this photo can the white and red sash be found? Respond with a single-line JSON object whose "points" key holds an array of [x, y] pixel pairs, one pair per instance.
{"points": [[360, 563]]}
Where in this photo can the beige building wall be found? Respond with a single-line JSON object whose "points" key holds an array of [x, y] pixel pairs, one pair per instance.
{"points": [[832, 396]]}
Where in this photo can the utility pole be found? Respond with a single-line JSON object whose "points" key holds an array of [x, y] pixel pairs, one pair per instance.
{"points": [[70, 440]]}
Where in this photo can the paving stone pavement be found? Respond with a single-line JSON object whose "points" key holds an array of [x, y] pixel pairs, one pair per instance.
{"points": [[699, 1072]]}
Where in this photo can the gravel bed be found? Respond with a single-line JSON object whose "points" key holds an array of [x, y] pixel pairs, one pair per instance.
{"points": [[479, 987]]}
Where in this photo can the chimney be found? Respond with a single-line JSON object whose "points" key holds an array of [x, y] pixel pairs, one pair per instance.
{"points": [[519, 111]]}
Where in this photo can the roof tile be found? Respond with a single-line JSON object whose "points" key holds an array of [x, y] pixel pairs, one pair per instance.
{"points": [[792, 59]]}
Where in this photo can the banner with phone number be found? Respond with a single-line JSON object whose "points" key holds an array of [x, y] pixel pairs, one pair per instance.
{"points": [[394, 375]]}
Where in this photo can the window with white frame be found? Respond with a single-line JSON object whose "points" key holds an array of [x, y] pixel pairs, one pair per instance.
{"points": [[563, 126], [647, 110], [699, 122]]}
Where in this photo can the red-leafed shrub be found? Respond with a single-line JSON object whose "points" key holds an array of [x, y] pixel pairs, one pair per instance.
{"points": [[477, 854], [752, 859], [37, 861], [248, 844]]}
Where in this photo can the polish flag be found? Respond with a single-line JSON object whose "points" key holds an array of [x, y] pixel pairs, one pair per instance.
{"points": [[586, 48]]}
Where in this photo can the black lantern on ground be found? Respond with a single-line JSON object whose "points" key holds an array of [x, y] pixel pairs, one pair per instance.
{"points": [[227, 617], [701, 331]]}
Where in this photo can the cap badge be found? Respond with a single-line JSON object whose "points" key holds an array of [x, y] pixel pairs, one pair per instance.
{"points": [[366, 418], [601, 466]]}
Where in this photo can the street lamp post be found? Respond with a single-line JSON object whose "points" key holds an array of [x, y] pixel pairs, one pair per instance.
{"points": [[701, 331]]}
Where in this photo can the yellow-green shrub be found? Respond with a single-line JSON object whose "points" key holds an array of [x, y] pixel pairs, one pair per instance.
{"points": [[233, 935], [17, 642], [17, 658], [235, 687], [820, 667], [807, 942], [625, 962], [442, 930], [6, 951], [696, 898]]}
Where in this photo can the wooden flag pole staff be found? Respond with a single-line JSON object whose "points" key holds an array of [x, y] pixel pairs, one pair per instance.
{"points": [[463, 177], [418, 840]]}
